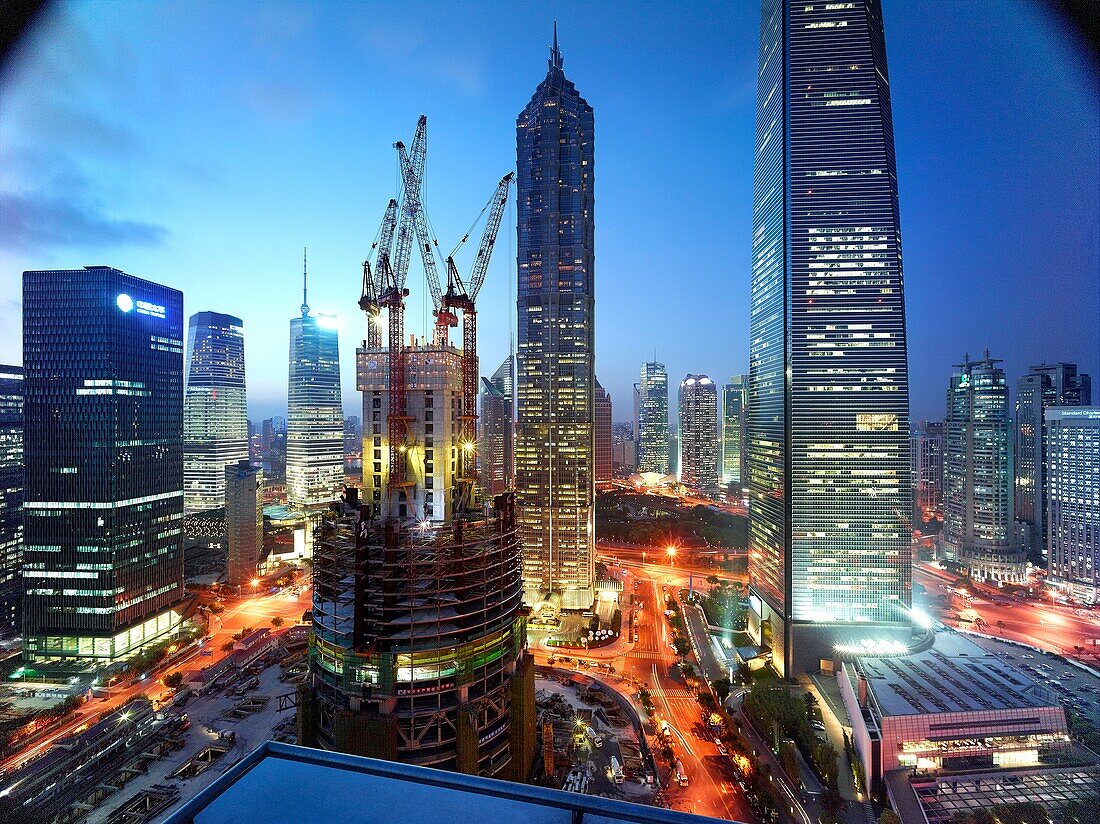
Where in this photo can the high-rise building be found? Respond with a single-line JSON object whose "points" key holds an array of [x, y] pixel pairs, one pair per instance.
{"points": [[604, 464], [1073, 492], [103, 513], [556, 359], [11, 497], [1043, 387], [353, 445], [315, 415], [735, 408], [829, 471], [977, 528], [244, 521], [926, 446], [496, 431], [699, 449], [653, 435], [215, 410]]}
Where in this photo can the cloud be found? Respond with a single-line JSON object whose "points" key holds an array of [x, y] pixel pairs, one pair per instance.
{"points": [[39, 220]]}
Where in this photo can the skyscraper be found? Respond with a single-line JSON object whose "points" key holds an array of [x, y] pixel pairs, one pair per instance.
{"points": [[215, 410], [603, 434], [556, 358], [699, 448], [1073, 492], [315, 415], [11, 497], [829, 467], [977, 528], [653, 435], [927, 459], [103, 552], [735, 408], [1042, 388], [497, 431], [244, 521]]}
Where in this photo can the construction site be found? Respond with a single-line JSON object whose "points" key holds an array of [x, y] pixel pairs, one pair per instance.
{"points": [[418, 650]]}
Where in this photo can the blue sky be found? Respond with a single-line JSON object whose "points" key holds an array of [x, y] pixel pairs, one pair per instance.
{"points": [[203, 144]]}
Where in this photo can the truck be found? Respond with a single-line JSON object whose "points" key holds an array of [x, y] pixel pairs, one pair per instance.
{"points": [[680, 773], [665, 731], [596, 738], [617, 771]]}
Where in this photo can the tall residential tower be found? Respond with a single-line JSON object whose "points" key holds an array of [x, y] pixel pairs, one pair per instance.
{"points": [[1073, 492], [556, 359], [652, 436], [829, 472], [315, 415], [103, 514], [735, 410], [699, 434], [215, 412]]}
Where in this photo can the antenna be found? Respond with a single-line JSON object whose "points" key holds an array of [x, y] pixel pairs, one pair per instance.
{"points": [[305, 281]]}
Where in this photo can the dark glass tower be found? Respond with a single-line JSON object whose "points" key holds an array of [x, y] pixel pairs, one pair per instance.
{"points": [[11, 496], [103, 553], [556, 361], [829, 466], [215, 410]]}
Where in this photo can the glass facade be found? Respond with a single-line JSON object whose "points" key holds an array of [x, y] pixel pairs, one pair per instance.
{"points": [[103, 552], [555, 383], [977, 529], [653, 436], [11, 496], [1073, 493], [828, 386], [604, 462], [699, 434], [215, 411], [244, 521], [315, 413], [735, 408]]}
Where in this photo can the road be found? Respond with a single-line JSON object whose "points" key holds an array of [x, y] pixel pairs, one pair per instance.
{"points": [[252, 612]]}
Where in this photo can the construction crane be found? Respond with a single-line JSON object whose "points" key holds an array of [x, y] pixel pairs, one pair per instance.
{"points": [[375, 278], [462, 295]]}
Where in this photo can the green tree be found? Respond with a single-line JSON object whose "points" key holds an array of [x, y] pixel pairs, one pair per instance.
{"points": [[276, 622], [721, 687], [681, 646], [889, 817], [227, 646], [173, 680]]}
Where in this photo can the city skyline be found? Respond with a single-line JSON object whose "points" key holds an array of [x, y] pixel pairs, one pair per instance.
{"points": [[178, 238]]}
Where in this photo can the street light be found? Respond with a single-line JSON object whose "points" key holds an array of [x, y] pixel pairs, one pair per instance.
{"points": [[671, 550]]}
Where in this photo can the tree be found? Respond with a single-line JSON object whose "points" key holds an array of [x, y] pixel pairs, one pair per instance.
{"points": [[889, 817], [681, 646], [276, 622], [721, 687], [1001, 626], [173, 680], [810, 702], [227, 646]]}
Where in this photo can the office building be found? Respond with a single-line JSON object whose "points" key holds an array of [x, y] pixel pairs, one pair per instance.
{"points": [[1043, 387], [315, 415], [978, 529], [555, 381], [1073, 493], [699, 449], [244, 521], [604, 462], [353, 445], [497, 447], [653, 436], [927, 457], [11, 497], [735, 408], [829, 474], [103, 513], [215, 410], [623, 455]]}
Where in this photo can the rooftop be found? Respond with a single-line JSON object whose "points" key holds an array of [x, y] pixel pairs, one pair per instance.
{"points": [[278, 783], [955, 675]]}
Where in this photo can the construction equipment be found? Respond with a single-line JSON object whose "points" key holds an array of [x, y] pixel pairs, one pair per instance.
{"points": [[374, 280]]}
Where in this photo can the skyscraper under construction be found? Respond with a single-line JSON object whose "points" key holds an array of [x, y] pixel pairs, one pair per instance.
{"points": [[418, 651]]}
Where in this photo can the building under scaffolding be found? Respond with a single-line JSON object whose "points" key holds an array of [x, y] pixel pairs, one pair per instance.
{"points": [[418, 646]]}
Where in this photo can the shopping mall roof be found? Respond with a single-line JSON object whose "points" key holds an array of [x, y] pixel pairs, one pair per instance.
{"points": [[954, 675], [279, 783]]}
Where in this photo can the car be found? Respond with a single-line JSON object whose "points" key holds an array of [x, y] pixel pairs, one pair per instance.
{"points": [[817, 725]]}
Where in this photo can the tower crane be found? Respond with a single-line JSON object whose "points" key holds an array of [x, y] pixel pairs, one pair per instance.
{"points": [[374, 279]]}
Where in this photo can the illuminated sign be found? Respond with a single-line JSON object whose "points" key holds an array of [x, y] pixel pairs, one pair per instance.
{"points": [[124, 302], [144, 307]]}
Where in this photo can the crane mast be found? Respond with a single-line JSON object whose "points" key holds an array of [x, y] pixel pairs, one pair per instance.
{"points": [[374, 278]]}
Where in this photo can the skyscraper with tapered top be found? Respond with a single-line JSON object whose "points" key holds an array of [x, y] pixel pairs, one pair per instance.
{"points": [[315, 415], [829, 473], [556, 359], [215, 410]]}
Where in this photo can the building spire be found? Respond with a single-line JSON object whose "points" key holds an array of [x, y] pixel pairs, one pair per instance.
{"points": [[305, 281], [555, 61]]}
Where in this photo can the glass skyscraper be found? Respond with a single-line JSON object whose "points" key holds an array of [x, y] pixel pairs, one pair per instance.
{"points": [[604, 463], [103, 513], [315, 412], [556, 358], [735, 409], [215, 411], [978, 523], [11, 497], [699, 448], [652, 435], [829, 475], [1073, 492]]}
